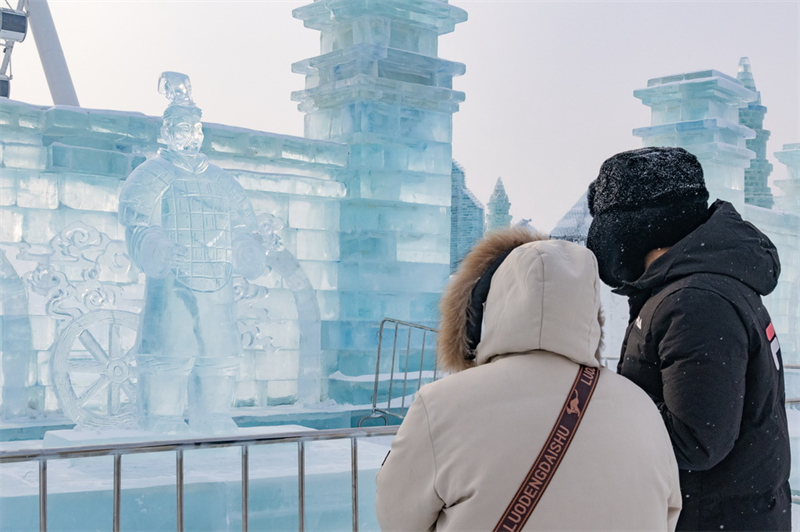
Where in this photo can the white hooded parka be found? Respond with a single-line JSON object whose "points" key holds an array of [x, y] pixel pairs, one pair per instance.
{"points": [[469, 440]]}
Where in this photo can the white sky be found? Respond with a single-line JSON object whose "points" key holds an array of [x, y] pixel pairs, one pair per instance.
{"points": [[549, 85]]}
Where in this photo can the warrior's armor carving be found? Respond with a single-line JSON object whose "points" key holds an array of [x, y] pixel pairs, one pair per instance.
{"points": [[200, 211]]}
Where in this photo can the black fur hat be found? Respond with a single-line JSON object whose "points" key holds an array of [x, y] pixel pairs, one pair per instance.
{"points": [[643, 200]]}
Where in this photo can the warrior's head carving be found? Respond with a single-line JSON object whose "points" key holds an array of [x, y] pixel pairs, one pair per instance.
{"points": [[181, 129]]}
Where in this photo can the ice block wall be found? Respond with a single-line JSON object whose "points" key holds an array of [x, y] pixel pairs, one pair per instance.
{"points": [[379, 86], [60, 165], [699, 111], [466, 218]]}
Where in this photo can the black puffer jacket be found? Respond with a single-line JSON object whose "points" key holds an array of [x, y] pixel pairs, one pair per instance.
{"points": [[701, 344]]}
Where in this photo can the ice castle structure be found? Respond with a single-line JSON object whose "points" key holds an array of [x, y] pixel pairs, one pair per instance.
{"points": [[701, 112], [466, 218], [498, 207], [359, 209]]}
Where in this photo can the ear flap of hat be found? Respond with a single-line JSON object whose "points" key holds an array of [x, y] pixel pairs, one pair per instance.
{"points": [[453, 344], [621, 239]]}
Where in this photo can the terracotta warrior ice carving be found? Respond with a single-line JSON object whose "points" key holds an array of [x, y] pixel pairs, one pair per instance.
{"points": [[189, 228]]}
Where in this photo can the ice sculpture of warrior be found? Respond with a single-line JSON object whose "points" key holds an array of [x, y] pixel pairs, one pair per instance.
{"points": [[189, 228]]}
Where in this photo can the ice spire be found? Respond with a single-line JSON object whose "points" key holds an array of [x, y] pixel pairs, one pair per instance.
{"points": [[756, 176], [745, 75], [498, 208]]}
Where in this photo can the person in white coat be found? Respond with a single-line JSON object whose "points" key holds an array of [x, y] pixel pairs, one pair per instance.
{"points": [[519, 320]]}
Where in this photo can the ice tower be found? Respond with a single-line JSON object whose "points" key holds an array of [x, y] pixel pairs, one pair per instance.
{"points": [[756, 191], [466, 218], [699, 111], [497, 215], [380, 87]]}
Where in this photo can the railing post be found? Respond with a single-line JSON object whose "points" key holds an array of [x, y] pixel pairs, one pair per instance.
{"points": [[245, 486], [378, 367], [301, 486], [43, 495], [117, 490], [391, 372], [405, 376], [354, 471], [179, 488]]}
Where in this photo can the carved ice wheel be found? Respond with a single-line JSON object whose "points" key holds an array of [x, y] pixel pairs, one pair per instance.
{"points": [[94, 371]]}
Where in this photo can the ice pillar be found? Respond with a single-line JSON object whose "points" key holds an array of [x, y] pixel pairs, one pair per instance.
{"points": [[699, 111], [380, 87], [15, 342], [756, 191]]}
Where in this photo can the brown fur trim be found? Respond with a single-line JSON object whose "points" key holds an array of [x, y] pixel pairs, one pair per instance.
{"points": [[451, 346]]}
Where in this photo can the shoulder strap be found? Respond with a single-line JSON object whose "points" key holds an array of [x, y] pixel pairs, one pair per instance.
{"points": [[555, 447]]}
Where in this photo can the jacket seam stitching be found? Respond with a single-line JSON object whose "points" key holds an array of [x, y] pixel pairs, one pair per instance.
{"points": [[433, 447]]}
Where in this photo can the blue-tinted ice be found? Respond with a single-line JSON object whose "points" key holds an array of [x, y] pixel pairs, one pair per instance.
{"points": [[189, 226]]}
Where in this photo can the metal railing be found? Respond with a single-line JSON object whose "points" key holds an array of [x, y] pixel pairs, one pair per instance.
{"points": [[394, 324], [792, 400], [43, 456]]}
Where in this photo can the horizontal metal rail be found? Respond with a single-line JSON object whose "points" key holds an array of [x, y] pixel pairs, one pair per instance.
{"points": [[29, 455], [118, 450]]}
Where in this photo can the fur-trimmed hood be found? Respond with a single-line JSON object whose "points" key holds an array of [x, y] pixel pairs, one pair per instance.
{"points": [[545, 295]]}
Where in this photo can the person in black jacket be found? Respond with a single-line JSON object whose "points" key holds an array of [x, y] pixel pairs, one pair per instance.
{"points": [[699, 340]]}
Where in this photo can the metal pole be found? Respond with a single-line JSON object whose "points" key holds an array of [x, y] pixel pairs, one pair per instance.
{"points": [[405, 376], [301, 486], [179, 486], [50, 54], [6, 57], [354, 470], [245, 486], [42, 495], [378, 366], [421, 360], [9, 45], [117, 490], [391, 372]]}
